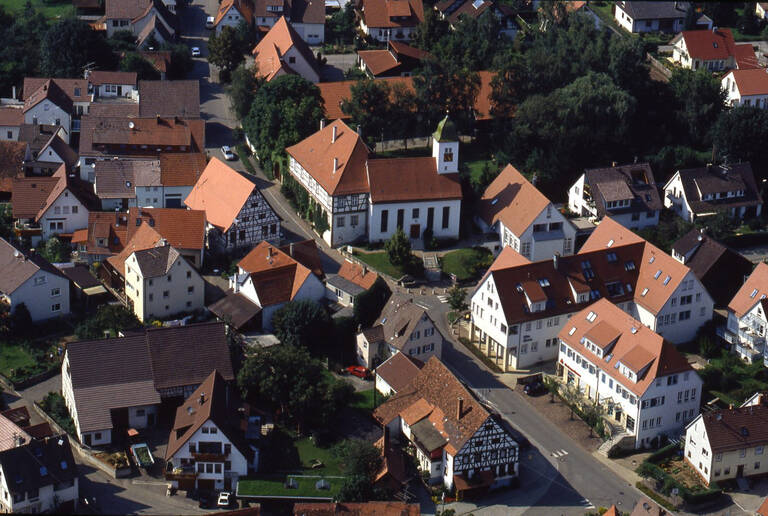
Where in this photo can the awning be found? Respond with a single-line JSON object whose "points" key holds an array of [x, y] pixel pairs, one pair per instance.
{"points": [[93, 291]]}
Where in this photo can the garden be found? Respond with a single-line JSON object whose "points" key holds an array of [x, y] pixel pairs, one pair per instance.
{"points": [[733, 381], [467, 264], [53, 405]]}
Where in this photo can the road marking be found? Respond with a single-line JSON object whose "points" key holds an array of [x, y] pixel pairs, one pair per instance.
{"points": [[587, 504], [443, 298], [559, 453]]}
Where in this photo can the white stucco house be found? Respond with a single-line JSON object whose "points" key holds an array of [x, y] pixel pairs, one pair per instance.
{"points": [[231, 13], [283, 51], [647, 387], [49, 105], [206, 448], [748, 319], [628, 193], [524, 218], [712, 50], [29, 279], [113, 85], [519, 307], [385, 20], [307, 17], [706, 191], [666, 16], [459, 443], [746, 88], [369, 199]]}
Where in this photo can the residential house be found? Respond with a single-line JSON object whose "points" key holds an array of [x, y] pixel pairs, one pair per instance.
{"points": [[453, 10], [524, 219], [77, 90], [159, 59], [12, 155], [11, 119], [519, 307], [398, 59], [384, 20], [356, 509], [719, 268], [334, 93], [205, 449], [645, 507], [458, 441], [646, 385], [144, 18], [352, 280], [396, 372], [236, 212], [106, 235], [152, 291], [110, 385], [50, 156], [747, 319], [729, 443], [403, 327], [705, 191], [712, 50], [760, 9], [307, 17], [178, 174], [169, 99], [56, 205], [369, 198], [231, 13], [111, 85], [643, 16], [282, 51], [268, 278], [37, 137], [746, 88], [49, 104], [628, 193], [38, 477], [30, 280]]}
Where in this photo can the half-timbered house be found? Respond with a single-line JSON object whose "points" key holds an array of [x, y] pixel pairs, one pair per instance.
{"points": [[456, 439], [236, 212]]}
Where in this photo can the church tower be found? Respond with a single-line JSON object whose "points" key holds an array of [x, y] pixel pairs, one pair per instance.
{"points": [[445, 147]]}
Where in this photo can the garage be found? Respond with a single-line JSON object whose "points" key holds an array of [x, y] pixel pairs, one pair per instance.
{"points": [[207, 484]]}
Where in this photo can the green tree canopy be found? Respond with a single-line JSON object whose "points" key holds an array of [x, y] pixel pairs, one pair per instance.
{"points": [[134, 62], [122, 41], [181, 61], [368, 304], [242, 90], [398, 248], [69, 45], [302, 323], [740, 135], [111, 318], [20, 47], [360, 462], [285, 110], [699, 100], [369, 105], [54, 250], [226, 49], [440, 90]]}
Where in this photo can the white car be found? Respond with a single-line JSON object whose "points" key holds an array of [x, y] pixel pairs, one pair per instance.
{"points": [[209, 22], [223, 499], [195, 51], [228, 154]]}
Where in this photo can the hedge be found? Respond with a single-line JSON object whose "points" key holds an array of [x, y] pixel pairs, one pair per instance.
{"points": [[662, 453]]}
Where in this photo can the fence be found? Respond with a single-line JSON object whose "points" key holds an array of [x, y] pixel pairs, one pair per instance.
{"points": [[658, 66]]}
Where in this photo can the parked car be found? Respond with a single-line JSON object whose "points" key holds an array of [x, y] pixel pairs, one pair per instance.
{"points": [[534, 389], [226, 150], [209, 22], [359, 371], [224, 499], [195, 51], [205, 500]]}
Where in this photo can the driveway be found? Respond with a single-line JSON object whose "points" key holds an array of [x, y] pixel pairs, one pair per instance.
{"points": [[336, 65]]}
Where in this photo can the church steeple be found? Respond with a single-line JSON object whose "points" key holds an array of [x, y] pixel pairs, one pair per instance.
{"points": [[445, 147]]}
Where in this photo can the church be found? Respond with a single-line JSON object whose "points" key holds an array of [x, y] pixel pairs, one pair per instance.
{"points": [[365, 198]]}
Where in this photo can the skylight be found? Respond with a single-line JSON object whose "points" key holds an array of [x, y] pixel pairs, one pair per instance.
{"points": [[658, 273], [610, 242], [645, 291], [544, 282], [666, 280], [493, 202], [653, 259], [753, 294], [572, 330], [591, 316], [477, 4]]}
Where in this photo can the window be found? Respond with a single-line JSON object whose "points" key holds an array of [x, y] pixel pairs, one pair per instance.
{"points": [[189, 274], [384, 217], [683, 316], [217, 468], [56, 307], [291, 59], [759, 450], [166, 294], [743, 452], [74, 210], [446, 216], [55, 292], [200, 467], [340, 221], [209, 468], [190, 290], [415, 213], [227, 449], [140, 412]]}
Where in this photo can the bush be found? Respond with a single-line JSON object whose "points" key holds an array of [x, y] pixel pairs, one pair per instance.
{"points": [[662, 453], [53, 405]]}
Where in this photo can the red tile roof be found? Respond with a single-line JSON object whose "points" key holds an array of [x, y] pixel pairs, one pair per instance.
{"points": [[751, 82], [398, 371], [355, 273], [392, 13], [99, 77], [627, 341], [221, 193], [276, 276], [753, 291], [268, 54], [181, 168], [709, 45], [317, 152], [410, 179], [736, 428], [183, 229], [356, 509], [244, 7], [11, 116], [112, 227], [513, 200], [29, 194]]}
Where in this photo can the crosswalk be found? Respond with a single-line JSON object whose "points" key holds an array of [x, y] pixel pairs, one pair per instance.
{"points": [[587, 504], [442, 298], [559, 454]]}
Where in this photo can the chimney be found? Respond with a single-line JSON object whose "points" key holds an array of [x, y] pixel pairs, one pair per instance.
{"points": [[554, 260], [13, 92], [335, 160], [613, 164], [460, 408], [157, 117], [202, 398], [359, 130], [365, 270], [290, 249], [269, 254], [322, 124], [333, 137]]}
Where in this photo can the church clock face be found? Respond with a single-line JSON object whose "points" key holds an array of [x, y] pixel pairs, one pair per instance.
{"points": [[448, 155]]}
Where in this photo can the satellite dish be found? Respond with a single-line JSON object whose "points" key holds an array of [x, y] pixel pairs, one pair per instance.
{"points": [[131, 125]]}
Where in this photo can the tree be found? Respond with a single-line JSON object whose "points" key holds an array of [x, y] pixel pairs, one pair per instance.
{"points": [[54, 251], [431, 30], [285, 110], [398, 248], [242, 90], [340, 27], [20, 47], [226, 50], [302, 323], [360, 461], [368, 304], [739, 134], [108, 318], [69, 45], [457, 298], [122, 41], [6, 222], [748, 22], [181, 61], [134, 62], [699, 101], [571, 395], [440, 89], [368, 106], [287, 378]]}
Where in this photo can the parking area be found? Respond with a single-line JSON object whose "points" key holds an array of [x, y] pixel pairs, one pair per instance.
{"points": [[750, 500]]}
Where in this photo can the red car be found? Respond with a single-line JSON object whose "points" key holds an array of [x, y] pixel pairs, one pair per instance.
{"points": [[359, 371]]}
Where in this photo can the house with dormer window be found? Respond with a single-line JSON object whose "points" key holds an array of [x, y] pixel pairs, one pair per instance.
{"points": [[706, 191], [519, 306], [748, 318], [524, 218], [646, 386], [385, 20]]}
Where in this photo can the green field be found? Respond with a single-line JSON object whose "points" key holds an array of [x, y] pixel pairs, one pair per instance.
{"points": [[49, 9], [364, 400], [308, 451], [12, 357], [268, 486], [380, 262], [467, 264]]}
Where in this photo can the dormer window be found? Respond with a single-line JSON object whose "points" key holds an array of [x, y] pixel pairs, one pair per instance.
{"points": [[448, 155], [544, 282], [611, 257], [629, 266]]}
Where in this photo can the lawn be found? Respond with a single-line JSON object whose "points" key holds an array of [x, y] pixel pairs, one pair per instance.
{"points": [[368, 400], [49, 10], [308, 453], [467, 264], [13, 357], [380, 262], [275, 486], [732, 380]]}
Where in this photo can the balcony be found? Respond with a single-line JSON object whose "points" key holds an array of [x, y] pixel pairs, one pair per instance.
{"points": [[209, 457], [749, 354], [180, 473], [29, 229]]}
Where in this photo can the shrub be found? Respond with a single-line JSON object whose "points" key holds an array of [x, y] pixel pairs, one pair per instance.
{"points": [[53, 405], [662, 453]]}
